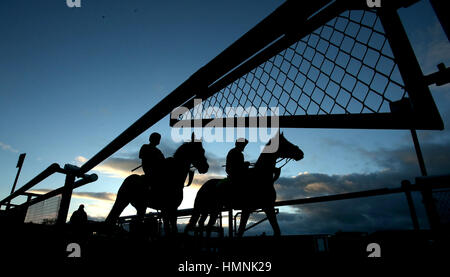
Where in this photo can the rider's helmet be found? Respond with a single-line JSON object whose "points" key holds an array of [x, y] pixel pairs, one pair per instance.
{"points": [[155, 138], [241, 142]]}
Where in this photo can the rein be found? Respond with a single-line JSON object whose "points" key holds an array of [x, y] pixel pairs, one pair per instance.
{"points": [[191, 176], [285, 163]]}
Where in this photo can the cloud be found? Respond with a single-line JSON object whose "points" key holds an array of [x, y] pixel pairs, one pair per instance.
{"points": [[357, 215], [365, 214], [216, 164], [120, 167], [200, 179], [397, 165], [115, 167], [103, 196], [403, 160], [433, 47], [99, 196], [8, 147]]}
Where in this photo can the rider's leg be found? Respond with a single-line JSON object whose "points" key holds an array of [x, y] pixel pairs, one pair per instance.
{"points": [[270, 212], [243, 222], [116, 210]]}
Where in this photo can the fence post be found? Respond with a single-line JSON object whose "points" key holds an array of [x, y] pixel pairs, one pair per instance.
{"points": [[430, 205], [412, 209], [19, 166], [66, 196], [230, 223], [427, 195]]}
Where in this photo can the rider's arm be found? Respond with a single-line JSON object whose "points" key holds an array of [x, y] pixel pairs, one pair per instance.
{"points": [[143, 157]]}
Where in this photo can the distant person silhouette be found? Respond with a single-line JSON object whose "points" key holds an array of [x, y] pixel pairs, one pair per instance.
{"points": [[152, 158], [236, 166], [79, 217]]}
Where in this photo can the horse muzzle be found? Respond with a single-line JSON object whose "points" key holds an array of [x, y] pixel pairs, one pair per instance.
{"points": [[299, 156], [203, 169]]}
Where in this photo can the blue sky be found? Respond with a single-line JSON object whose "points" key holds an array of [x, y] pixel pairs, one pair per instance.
{"points": [[71, 80]]}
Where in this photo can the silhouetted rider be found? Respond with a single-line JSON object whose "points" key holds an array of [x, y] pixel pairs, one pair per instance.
{"points": [[152, 158], [236, 167]]}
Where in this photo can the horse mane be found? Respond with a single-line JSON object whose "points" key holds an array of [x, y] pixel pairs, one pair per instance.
{"points": [[280, 137], [265, 155], [180, 152]]}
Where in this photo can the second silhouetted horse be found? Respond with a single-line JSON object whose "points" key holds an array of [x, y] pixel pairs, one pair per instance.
{"points": [[256, 191]]}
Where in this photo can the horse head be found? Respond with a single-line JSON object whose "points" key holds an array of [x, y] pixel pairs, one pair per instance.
{"points": [[288, 150], [197, 155]]}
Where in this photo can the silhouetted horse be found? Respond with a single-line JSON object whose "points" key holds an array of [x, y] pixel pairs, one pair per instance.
{"points": [[255, 192], [166, 190]]}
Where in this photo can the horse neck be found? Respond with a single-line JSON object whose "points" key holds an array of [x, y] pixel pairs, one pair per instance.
{"points": [[182, 160], [266, 160]]}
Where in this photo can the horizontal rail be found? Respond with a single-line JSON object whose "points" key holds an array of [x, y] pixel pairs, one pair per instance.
{"points": [[434, 180], [87, 179], [53, 168], [361, 194], [444, 182], [329, 121], [343, 196]]}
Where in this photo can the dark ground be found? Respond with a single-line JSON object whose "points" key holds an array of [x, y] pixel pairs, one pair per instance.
{"points": [[32, 243]]}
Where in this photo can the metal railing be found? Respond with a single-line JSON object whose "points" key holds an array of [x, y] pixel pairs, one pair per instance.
{"points": [[431, 185], [72, 172], [290, 23]]}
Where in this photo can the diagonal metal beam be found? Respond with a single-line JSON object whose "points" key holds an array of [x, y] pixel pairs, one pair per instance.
{"points": [[250, 43]]}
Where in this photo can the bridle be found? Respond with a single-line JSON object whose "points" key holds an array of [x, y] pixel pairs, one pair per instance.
{"points": [[287, 160]]}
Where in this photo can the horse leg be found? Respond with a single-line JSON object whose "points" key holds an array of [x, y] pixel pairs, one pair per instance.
{"points": [[141, 212], [136, 225], [166, 221], [212, 220], [243, 222], [270, 213], [173, 220], [116, 210], [201, 222], [192, 221], [140, 215]]}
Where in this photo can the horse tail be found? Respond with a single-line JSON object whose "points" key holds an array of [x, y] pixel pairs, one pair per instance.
{"points": [[122, 199]]}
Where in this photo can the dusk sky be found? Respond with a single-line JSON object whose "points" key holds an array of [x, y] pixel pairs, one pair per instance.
{"points": [[71, 80]]}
